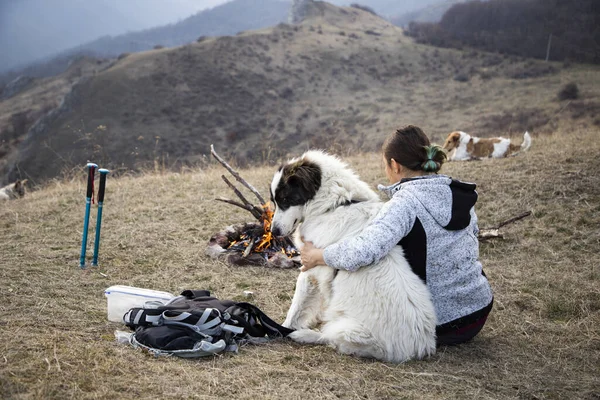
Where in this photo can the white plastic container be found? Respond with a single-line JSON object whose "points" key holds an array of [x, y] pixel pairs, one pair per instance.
{"points": [[122, 298]]}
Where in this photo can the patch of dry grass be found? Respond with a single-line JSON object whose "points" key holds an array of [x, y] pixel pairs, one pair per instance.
{"points": [[542, 339]]}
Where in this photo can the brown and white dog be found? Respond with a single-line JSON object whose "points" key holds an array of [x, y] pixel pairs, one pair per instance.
{"points": [[13, 191], [461, 146]]}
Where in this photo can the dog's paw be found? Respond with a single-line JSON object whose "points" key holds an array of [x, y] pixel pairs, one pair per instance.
{"points": [[306, 336]]}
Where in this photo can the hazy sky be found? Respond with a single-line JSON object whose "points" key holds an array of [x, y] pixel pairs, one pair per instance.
{"points": [[31, 29]]}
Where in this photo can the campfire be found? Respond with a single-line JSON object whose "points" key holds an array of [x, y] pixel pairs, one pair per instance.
{"points": [[251, 243]]}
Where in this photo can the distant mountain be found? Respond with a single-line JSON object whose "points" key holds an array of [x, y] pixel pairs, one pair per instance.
{"points": [[34, 29], [431, 13], [227, 19], [389, 8]]}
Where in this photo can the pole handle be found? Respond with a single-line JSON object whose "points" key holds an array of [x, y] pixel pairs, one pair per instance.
{"points": [[103, 172], [90, 183]]}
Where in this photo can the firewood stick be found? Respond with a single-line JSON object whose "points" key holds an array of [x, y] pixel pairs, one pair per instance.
{"points": [[240, 205], [240, 195], [236, 191], [236, 175], [287, 240], [248, 249]]}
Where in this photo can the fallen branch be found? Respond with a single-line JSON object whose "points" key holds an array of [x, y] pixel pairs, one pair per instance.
{"points": [[493, 233], [513, 219], [236, 175]]}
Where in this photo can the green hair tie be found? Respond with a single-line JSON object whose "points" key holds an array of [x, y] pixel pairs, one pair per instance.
{"points": [[430, 165]]}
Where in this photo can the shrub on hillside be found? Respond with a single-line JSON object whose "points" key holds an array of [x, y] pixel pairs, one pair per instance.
{"points": [[569, 92], [461, 77], [19, 122], [373, 33]]}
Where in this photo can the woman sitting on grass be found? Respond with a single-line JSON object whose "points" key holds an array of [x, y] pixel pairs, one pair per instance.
{"points": [[433, 218]]}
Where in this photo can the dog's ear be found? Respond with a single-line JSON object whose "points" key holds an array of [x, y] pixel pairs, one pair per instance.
{"points": [[19, 187], [452, 140], [305, 175]]}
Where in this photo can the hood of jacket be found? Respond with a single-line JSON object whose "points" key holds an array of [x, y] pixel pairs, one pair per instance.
{"points": [[447, 200]]}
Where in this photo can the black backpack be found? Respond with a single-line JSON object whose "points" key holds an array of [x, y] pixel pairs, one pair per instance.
{"points": [[195, 324]]}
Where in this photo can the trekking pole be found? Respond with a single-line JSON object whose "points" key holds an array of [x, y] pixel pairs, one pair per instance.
{"points": [[103, 173], [86, 219]]}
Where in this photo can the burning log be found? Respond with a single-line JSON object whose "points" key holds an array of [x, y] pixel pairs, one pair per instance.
{"points": [[251, 243]]}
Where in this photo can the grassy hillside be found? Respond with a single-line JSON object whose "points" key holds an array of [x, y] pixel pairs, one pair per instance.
{"points": [[32, 101], [541, 341], [341, 81]]}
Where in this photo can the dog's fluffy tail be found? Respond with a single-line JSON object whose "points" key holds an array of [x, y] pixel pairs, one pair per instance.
{"points": [[526, 142]]}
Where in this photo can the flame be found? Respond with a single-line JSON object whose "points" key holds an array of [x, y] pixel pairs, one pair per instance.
{"points": [[267, 219], [267, 245]]}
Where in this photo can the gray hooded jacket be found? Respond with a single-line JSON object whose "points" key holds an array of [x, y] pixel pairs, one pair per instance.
{"points": [[433, 219]]}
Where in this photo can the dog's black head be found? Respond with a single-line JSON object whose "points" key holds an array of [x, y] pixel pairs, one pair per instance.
{"points": [[293, 185]]}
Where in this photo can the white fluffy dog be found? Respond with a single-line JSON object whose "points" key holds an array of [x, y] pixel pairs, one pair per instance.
{"points": [[381, 311]]}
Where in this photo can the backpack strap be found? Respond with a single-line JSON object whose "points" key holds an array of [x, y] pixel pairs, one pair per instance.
{"points": [[269, 327], [207, 324], [142, 317]]}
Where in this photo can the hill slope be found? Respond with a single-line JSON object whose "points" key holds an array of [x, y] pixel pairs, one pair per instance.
{"points": [[541, 340], [31, 99], [341, 80]]}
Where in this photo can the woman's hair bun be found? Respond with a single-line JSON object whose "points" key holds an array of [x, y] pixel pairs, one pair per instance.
{"points": [[435, 158]]}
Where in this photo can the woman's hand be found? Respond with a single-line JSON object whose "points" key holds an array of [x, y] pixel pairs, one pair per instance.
{"points": [[310, 256]]}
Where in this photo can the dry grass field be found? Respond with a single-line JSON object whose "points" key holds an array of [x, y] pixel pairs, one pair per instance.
{"points": [[542, 340]]}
